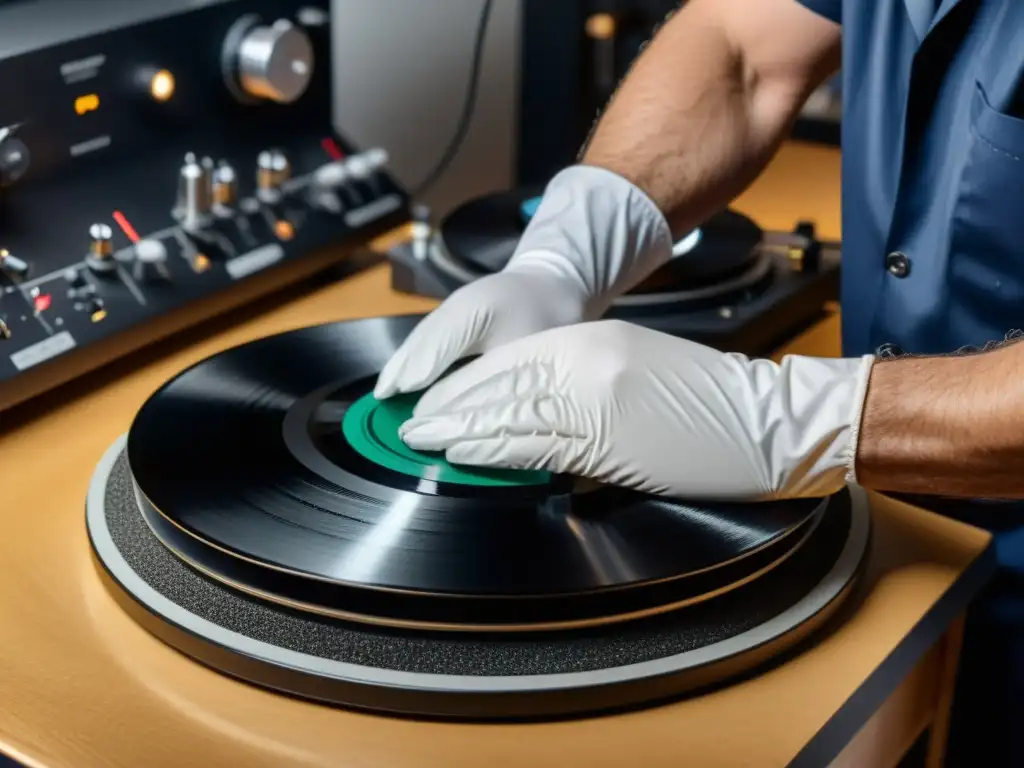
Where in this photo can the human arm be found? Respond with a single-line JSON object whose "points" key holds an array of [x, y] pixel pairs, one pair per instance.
{"points": [[696, 120], [708, 103], [951, 425]]}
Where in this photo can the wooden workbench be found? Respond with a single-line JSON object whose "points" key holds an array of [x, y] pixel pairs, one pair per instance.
{"points": [[81, 685]]}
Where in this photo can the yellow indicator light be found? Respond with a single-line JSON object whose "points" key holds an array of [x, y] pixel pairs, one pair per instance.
{"points": [[201, 263], [98, 315], [601, 26], [161, 85], [284, 230], [88, 103]]}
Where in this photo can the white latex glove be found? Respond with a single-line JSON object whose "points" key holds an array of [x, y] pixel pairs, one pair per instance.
{"points": [[593, 237], [633, 407]]}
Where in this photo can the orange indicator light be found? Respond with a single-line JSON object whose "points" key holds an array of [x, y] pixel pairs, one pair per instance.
{"points": [[88, 103], [284, 230]]}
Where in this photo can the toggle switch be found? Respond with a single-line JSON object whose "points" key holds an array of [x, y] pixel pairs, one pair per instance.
{"points": [[100, 258], [272, 169], [331, 175], [11, 265], [195, 192], [366, 164], [225, 185]]}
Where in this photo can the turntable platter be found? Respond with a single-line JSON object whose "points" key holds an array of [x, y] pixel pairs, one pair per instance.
{"points": [[272, 467], [483, 235], [262, 517]]}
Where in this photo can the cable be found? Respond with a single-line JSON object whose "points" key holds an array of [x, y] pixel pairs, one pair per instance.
{"points": [[468, 106]]}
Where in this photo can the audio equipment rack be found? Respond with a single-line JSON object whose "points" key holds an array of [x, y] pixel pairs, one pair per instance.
{"points": [[160, 163]]}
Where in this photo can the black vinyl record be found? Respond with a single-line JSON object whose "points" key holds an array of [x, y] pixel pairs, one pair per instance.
{"points": [[483, 235], [241, 467]]}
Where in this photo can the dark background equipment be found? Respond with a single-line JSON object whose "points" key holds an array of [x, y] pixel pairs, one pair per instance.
{"points": [[574, 55], [161, 162]]}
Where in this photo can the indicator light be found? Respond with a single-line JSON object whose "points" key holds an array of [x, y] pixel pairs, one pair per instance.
{"points": [[201, 263], [601, 26], [42, 302], [284, 230], [161, 86], [88, 103], [98, 315]]}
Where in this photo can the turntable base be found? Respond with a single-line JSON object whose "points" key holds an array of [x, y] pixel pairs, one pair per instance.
{"points": [[471, 677]]}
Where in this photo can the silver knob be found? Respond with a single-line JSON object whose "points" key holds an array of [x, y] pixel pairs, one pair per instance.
{"points": [[194, 192], [331, 175], [14, 157], [275, 62], [421, 232], [150, 260], [366, 164]]}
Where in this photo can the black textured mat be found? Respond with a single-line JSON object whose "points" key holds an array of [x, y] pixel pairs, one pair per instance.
{"points": [[444, 654]]}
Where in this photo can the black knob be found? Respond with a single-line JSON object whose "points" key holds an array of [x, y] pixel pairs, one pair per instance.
{"points": [[810, 251], [14, 158], [806, 229]]}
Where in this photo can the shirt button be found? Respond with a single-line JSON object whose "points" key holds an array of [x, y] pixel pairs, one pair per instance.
{"points": [[889, 350], [898, 264]]}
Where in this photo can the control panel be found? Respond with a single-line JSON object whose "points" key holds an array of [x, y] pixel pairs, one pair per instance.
{"points": [[171, 161]]}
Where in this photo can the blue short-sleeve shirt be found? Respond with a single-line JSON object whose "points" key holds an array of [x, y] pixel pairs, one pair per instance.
{"points": [[933, 171]]}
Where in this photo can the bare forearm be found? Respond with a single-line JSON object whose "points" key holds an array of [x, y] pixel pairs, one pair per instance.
{"points": [[950, 426], [707, 104]]}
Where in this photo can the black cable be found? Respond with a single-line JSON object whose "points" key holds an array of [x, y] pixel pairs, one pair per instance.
{"points": [[468, 106]]}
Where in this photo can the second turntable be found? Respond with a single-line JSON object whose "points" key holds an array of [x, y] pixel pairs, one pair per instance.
{"points": [[730, 284]]}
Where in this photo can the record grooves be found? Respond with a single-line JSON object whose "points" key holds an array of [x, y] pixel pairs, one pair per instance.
{"points": [[264, 475], [262, 516]]}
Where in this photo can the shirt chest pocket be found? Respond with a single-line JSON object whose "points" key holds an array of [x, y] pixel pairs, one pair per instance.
{"points": [[988, 217]]}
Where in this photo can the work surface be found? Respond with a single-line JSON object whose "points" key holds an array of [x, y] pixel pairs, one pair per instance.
{"points": [[82, 685]]}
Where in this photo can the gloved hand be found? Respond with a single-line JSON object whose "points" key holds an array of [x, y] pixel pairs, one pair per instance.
{"points": [[633, 407], [593, 237]]}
